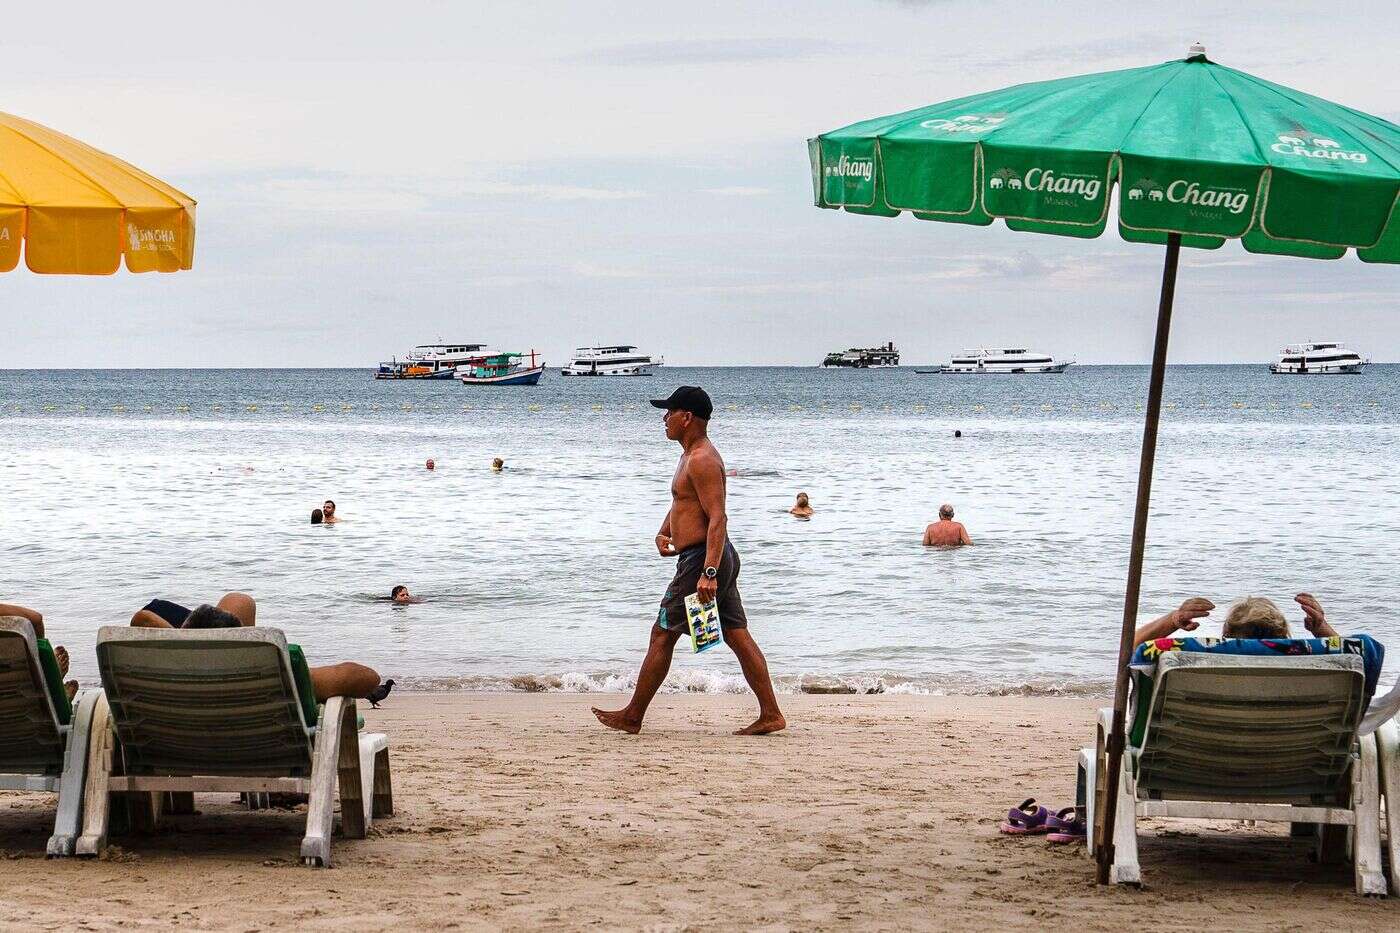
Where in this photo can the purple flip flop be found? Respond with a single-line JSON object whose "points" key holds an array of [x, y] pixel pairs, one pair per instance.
{"points": [[1026, 820], [1066, 827]]}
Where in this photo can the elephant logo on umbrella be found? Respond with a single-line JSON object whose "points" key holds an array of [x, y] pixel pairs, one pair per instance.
{"points": [[1005, 178], [1299, 141], [1146, 188]]}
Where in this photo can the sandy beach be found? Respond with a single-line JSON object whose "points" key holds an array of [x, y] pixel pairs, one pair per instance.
{"points": [[517, 811]]}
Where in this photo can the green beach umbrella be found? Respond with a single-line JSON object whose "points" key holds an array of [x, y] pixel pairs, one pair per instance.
{"points": [[1198, 153]]}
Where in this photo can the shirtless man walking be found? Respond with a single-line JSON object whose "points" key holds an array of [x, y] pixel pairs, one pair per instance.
{"points": [[695, 533]]}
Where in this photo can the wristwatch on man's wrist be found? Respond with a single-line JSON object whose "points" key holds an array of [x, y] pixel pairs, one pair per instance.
{"points": [[711, 572]]}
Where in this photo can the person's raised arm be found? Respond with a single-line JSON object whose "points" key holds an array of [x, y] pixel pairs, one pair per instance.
{"points": [[1315, 621], [707, 476], [1183, 617], [35, 618]]}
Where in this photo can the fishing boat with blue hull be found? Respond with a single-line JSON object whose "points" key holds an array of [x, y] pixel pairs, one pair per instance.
{"points": [[502, 369]]}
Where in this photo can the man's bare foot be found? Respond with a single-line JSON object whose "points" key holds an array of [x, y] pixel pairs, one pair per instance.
{"points": [[764, 725], [60, 655], [70, 687], [617, 719]]}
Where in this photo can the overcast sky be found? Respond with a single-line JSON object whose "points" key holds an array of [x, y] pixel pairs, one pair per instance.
{"points": [[371, 176]]}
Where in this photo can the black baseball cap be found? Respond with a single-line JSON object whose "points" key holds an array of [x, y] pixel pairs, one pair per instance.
{"points": [[688, 398]]}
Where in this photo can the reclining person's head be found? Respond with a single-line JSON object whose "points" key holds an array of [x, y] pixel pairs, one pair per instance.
{"points": [[1256, 617], [208, 616]]}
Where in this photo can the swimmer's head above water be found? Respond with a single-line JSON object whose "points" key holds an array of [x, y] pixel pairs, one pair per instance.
{"points": [[400, 594], [430, 464], [316, 517], [945, 511], [498, 464]]}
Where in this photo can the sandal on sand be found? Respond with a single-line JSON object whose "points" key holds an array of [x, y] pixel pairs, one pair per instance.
{"points": [[1067, 826], [1026, 820]]}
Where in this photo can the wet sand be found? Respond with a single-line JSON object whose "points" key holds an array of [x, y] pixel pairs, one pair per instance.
{"points": [[519, 811]]}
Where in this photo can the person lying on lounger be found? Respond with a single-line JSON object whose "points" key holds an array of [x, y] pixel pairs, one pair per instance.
{"points": [[36, 619], [346, 679], [1251, 617]]}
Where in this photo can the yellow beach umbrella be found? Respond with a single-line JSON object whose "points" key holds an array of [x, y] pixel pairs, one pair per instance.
{"points": [[80, 210]]}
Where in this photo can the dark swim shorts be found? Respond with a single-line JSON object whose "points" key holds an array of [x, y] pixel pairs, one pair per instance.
{"points": [[690, 564], [172, 613]]}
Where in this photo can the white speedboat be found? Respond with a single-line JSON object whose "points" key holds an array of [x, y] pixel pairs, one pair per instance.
{"points": [[611, 361], [1309, 359], [1007, 360], [433, 361]]}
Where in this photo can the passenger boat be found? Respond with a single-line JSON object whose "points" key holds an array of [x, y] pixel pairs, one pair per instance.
{"points": [[611, 361], [432, 361], [1317, 359], [863, 357], [502, 369], [1006, 360]]}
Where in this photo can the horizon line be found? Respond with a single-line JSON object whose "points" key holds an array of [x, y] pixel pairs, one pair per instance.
{"points": [[910, 366]]}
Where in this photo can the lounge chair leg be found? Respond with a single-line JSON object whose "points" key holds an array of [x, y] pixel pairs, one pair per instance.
{"points": [[383, 788], [320, 808], [69, 821], [1388, 764], [97, 802], [1366, 837], [1089, 775], [353, 806], [180, 802], [145, 808], [1125, 844]]}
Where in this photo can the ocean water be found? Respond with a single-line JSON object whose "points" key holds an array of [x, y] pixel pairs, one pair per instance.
{"points": [[119, 486]]}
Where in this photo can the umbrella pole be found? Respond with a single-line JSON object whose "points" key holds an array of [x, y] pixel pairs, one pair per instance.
{"points": [[1108, 797]]}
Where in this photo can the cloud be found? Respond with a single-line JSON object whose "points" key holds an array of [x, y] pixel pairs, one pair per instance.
{"points": [[547, 192], [710, 51], [739, 191], [345, 193], [590, 270]]}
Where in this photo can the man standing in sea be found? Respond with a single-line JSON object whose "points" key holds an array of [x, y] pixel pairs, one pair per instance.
{"points": [[695, 532]]}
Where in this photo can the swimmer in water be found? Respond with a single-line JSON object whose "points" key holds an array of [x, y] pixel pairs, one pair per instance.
{"points": [[430, 464], [317, 517], [498, 465], [803, 508], [328, 512], [945, 532], [400, 595]]}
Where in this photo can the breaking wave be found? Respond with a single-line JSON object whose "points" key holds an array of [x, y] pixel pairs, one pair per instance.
{"points": [[716, 682]]}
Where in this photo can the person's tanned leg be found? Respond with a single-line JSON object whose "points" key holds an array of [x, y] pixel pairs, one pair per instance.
{"points": [[346, 679], [654, 669], [755, 667]]}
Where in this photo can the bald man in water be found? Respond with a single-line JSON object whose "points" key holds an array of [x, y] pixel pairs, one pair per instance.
{"points": [[945, 532]]}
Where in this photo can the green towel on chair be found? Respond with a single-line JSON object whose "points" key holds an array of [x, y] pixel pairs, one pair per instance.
{"points": [[53, 680]]}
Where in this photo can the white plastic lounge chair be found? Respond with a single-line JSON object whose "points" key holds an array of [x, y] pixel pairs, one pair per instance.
{"points": [[1247, 738], [41, 748], [227, 710], [1388, 756]]}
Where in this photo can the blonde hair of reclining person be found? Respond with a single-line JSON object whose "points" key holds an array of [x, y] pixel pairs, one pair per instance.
{"points": [[1251, 617]]}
